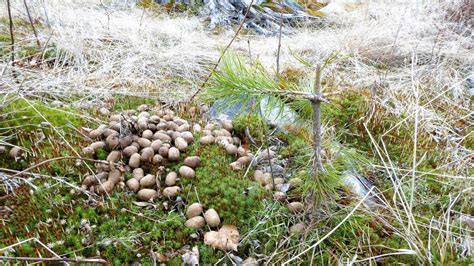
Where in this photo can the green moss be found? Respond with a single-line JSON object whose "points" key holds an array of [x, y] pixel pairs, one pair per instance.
{"points": [[101, 154], [29, 114], [127, 102], [217, 186], [257, 127]]}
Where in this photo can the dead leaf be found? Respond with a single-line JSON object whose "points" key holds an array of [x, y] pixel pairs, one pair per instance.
{"points": [[227, 238], [191, 257]]}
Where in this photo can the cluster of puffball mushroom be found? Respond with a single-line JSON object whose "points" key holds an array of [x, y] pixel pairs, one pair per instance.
{"points": [[148, 142]]}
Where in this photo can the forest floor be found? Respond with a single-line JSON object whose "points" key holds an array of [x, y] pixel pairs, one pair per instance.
{"points": [[399, 120]]}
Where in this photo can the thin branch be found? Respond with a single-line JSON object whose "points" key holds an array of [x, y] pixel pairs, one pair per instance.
{"points": [[57, 159], [12, 37], [223, 52], [316, 104], [332, 230], [32, 24], [279, 46], [95, 261]]}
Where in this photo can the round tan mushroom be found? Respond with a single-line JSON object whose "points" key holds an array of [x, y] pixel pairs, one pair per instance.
{"points": [[195, 222], [147, 154], [90, 180], [129, 151], [133, 184], [171, 178], [138, 173], [295, 207], [187, 172], [171, 191], [148, 134], [192, 161], [227, 125], [88, 151], [112, 141], [105, 188], [163, 151], [181, 144], [134, 161], [173, 154], [97, 145], [212, 218], [143, 142], [188, 136], [231, 149], [244, 160], [156, 144], [296, 229], [148, 181], [115, 176], [157, 159], [114, 156], [147, 194], [194, 210], [279, 196], [207, 140]]}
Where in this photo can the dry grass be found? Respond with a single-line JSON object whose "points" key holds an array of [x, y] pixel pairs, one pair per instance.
{"points": [[417, 55]]}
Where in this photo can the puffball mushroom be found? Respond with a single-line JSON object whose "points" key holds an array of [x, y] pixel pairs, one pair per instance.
{"points": [[171, 191], [88, 151], [106, 187], [181, 144], [236, 166], [231, 149], [297, 228], [147, 194], [170, 179], [134, 161], [207, 140], [138, 173], [195, 222], [148, 181], [112, 141], [114, 156], [227, 238], [295, 207], [147, 154], [163, 151], [133, 184], [128, 151], [212, 218], [162, 136], [279, 196], [157, 159], [90, 180], [148, 134], [227, 125], [173, 154], [143, 142], [192, 161], [97, 145], [244, 160], [258, 175], [186, 171], [115, 176], [156, 144], [188, 136], [194, 210]]}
